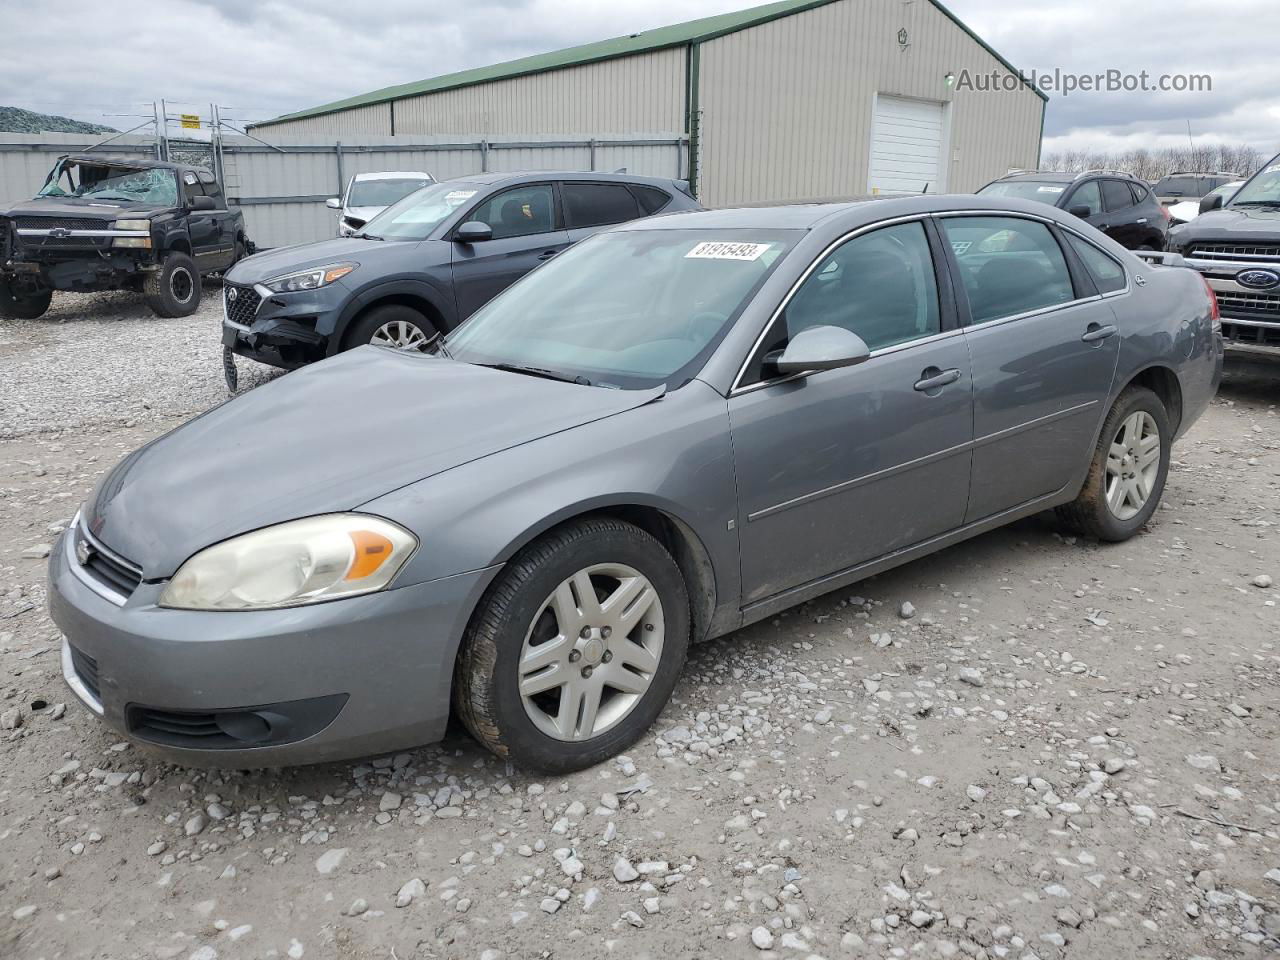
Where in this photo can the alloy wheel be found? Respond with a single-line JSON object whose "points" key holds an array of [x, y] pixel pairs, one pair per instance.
{"points": [[403, 335], [1133, 465], [591, 652]]}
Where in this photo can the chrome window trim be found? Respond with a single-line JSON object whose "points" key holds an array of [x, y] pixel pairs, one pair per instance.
{"points": [[73, 680], [737, 387], [1000, 321]]}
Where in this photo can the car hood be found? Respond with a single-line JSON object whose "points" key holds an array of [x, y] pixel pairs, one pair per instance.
{"points": [[1231, 222], [282, 260], [72, 207], [323, 439]]}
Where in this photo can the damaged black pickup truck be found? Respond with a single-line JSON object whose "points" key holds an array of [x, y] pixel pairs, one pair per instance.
{"points": [[100, 224]]}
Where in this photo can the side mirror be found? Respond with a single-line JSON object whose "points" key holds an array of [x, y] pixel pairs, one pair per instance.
{"points": [[1211, 202], [1081, 211], [333, 203], [473, 231], [203, 203], [822, 348]]}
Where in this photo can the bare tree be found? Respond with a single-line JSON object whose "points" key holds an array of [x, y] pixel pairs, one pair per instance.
{"points": [[1148, 164]]}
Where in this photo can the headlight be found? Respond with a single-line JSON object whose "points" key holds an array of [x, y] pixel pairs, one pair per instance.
{"points": [[302, 561], [309, 279], [137, 242]]}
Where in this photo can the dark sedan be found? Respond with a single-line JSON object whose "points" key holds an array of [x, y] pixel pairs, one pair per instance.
{"points": [[680, 427], [426, 263]]}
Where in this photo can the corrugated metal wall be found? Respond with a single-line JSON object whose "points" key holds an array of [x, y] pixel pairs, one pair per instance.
{"points": [[282, 194], [786, 106], [642, 92], [370, 121]]}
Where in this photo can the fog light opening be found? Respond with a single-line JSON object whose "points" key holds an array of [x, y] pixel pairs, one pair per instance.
{"points": [[246, 727]]}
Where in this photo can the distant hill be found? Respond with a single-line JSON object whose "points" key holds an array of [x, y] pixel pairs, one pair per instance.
{"points": [[17, 120]]}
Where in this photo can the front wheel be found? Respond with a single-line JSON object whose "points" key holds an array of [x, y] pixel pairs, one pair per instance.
{"points": [[174, 289], [394, 325], [575, 648], [18, 303], [1128, 471]]}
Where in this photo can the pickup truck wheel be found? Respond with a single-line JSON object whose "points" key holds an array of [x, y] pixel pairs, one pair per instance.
{"points": [[174, 289], [16, 305], [575, 647], [394, 325], [1128, 471]]}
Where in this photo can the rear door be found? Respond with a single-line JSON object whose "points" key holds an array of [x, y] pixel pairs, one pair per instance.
{"points": [[1122, 215], [1043, 345], [592, 207], [526, 232]]}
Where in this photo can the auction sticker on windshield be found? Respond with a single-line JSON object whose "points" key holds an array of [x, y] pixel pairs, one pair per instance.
{"points": [[456, 197], [727, 250]]}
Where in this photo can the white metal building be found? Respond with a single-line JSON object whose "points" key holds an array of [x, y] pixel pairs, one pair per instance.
{"points": [[795, 100]]}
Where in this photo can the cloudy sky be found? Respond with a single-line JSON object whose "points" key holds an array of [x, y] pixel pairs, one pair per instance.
{"points": [[260, 58]]}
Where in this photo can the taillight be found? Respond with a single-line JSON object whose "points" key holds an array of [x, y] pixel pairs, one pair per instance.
{"points": [[1215, 314], [1168, 217]]}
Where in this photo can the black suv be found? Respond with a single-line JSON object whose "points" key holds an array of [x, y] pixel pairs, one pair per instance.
{"points": [[1177, 187], [424, 264], [1118, 204], [100, 224], [1236, 245]]}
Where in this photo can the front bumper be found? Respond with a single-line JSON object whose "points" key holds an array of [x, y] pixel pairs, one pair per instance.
{"points": [[286, 330], [337, 680]]}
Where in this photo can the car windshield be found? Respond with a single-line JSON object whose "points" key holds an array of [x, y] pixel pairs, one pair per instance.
{"points": [[414, 217], [1042, 190], [1262, 190], [96, 181], [384, 191], [632, 309]]}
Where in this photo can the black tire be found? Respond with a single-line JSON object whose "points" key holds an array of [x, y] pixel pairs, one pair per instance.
{"points": [[363, 330], [174, 289], [1090, 513], [23, 306], [486, 694]]}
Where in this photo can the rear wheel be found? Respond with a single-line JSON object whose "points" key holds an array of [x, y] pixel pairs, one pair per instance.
{"points": [[394, 325], [20, 303], [575, 648], [174, 289], [1128, 471]]}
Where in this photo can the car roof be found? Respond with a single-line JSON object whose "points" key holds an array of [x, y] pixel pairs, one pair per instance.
{"points": [[852, 213], [1043, 176], [393, 175], [133, 162], [530, 176]]}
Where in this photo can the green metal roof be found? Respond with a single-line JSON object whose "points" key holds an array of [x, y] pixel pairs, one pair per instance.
{"points": [[676, 35]]}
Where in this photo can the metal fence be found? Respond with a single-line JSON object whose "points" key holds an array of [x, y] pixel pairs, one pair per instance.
{"points": [[282, 185]]}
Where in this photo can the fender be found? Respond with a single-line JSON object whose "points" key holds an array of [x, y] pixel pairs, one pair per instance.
{"points": [[405, 286]]}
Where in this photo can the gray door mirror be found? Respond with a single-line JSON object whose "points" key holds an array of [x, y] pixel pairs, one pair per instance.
{"points": [[473, 231], [1081, 211], [1212, 202], [333, 203], [821, 348]]}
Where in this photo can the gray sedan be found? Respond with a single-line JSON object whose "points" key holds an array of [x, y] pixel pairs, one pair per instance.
{"points": [[677, 428]]}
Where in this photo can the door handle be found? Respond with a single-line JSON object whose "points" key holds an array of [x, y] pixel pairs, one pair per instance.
{"points": [[1142, 219], [1104, 226], [547, 254], [931, 378], [1095, 332]]}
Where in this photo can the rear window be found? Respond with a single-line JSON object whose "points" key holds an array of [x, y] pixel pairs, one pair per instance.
{"points": [[651, 198], [597, 204], [1140, 193], [1107, 275], [1043, 190], [1116, 195], [1184, 186]]}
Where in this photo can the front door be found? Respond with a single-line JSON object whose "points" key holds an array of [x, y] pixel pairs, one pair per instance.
{"points": [[1044, 351], [841, 467], [526, 232]]}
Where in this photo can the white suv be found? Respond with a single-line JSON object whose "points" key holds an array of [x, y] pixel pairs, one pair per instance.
{"points": [[368, 194]]}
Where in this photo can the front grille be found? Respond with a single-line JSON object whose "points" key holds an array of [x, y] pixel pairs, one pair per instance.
{"points": [[67, 223], [1264, 303], [1235, 251], [243, 307], [112, 571], [1243, 333], [87, 670]]}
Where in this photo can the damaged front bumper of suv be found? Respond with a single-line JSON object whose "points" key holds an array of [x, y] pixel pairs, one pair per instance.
{"points": [[286, 330]]}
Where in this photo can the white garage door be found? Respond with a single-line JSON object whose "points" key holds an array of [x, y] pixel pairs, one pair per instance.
{"points": [[907, 146]]}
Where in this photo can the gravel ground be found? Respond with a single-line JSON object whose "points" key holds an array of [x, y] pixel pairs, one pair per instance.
{"points": [[99, 359], [1027, 746]]}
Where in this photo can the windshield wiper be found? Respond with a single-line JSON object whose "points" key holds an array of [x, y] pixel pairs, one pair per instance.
{"points": [[1256, 203], [537, 372], [368, 236]]}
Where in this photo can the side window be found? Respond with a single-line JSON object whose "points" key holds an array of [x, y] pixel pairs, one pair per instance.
{"points": [[1140, 193], [1107, 275], [597, 204], [211, 188], [520, 212], [1007, 265], [651, 198], [880, 285], [1087, 195], [191, 186], [1116, 195]]}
